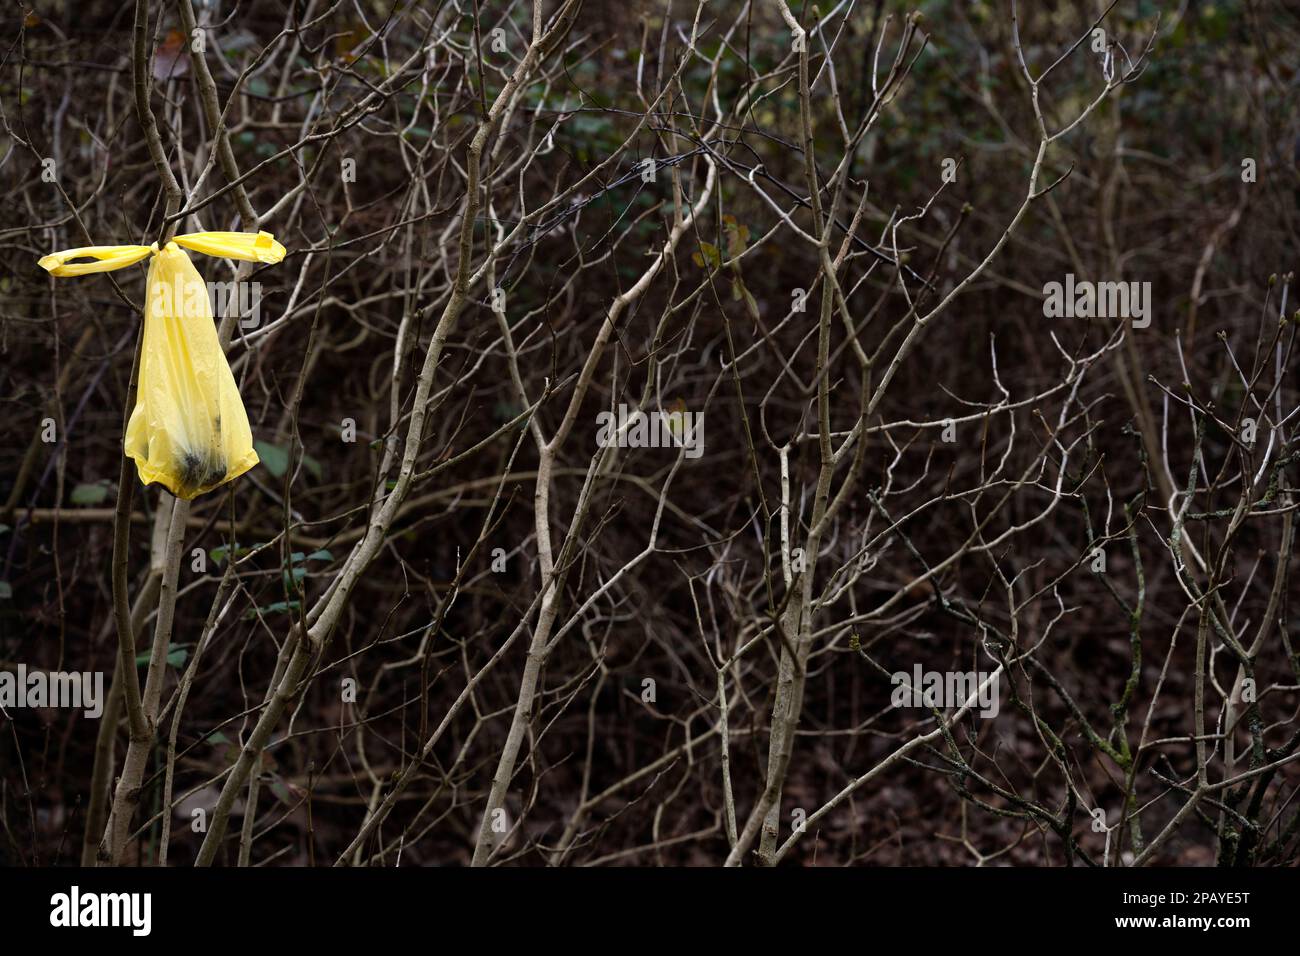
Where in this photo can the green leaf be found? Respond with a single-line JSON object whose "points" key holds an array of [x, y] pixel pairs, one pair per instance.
{"points": [[276, 460], [274, 457], [6, 591], [279, 607], [321, 555], [221, 553], [218, 738], [89, 494], [176, 656]]}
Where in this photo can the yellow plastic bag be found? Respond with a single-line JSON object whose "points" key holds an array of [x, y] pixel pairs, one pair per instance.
{"points": [[189, 430]]}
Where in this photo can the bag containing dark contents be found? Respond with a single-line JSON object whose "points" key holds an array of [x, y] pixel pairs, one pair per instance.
{"points": [[189, 431]]}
